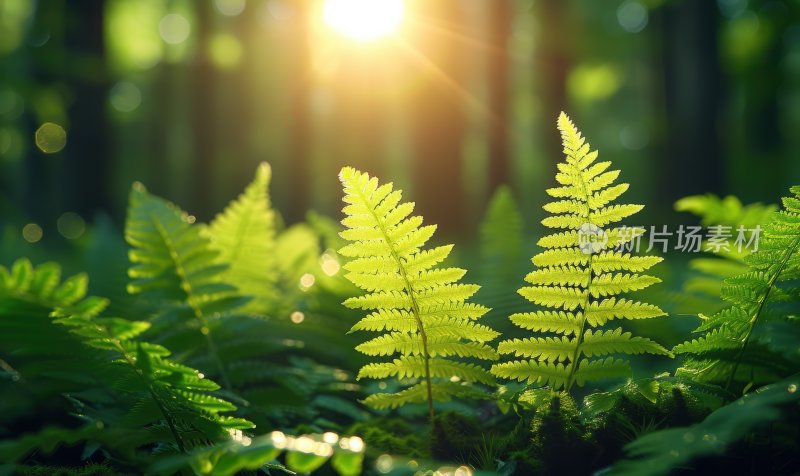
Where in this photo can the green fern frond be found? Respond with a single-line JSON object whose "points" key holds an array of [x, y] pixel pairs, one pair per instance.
{"points": [[174, 263], [244, 236], [97, 360], [580, 281], [736, 346], [713, 269], [421, 308], [502, 250]]}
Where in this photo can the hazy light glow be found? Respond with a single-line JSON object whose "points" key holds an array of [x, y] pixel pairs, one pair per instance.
{"points": [[364, 20]]}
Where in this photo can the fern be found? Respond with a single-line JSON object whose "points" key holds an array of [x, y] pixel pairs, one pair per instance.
{"points": [[501, 255], [174, 264], [115, 380], [673, 450], [578, 286], [744, 343], [713, 268], [420, 308], [244, 236]]}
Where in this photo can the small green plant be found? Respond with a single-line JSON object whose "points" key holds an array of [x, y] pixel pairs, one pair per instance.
{"points": [[579, 282], [156, 400], [421, 308], [754, 341]]}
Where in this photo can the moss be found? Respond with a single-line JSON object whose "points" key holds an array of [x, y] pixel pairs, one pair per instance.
{"points": [[559, 439], [392, 435], [455, 437], [88, 470]]}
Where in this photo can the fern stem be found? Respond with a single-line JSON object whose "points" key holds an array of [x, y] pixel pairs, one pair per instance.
{"points": [[414, 305], [761, 303], [573, 365], [198, 313]]}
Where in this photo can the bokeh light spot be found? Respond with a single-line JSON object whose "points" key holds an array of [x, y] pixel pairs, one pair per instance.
{"points": [[632, 16], [384, 463], [71, 226], [174, 28], [364, 20], [297, 317], [230, 8], [329, 264], [50, 138], [32, 232], [306, 281], [593, 82], [225, 51], [125, 96]]}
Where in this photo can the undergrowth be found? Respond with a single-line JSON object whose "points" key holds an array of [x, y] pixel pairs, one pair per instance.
{"points": [[224, 348]]}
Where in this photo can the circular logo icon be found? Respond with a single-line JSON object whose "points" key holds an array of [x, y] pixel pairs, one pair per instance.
{"points": [[591, 238]]}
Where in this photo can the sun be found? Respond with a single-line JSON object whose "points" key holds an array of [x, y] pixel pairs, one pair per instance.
{"points": [[364, 20]]}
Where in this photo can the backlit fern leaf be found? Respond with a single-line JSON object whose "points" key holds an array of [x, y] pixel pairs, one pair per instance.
{"points": [[422, 309], [244, 235], [579, 281], [746, 343]]}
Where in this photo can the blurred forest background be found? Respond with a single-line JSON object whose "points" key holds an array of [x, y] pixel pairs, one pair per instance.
{"points": [[187, 96]]}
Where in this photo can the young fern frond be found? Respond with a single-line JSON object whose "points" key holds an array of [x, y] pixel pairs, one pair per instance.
{"points": [[578, 279], [420, 308], [174, 264], [754, 341], [244, 235], [56, 336]]}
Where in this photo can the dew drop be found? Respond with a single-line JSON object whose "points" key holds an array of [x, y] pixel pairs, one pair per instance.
{"points": [[792, 388]]}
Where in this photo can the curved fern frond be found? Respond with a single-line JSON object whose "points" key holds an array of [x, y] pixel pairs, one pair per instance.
{"points": [[56, 335], [173, 262], [244, 236], [421, 308], [739, 344], [579, 277]]}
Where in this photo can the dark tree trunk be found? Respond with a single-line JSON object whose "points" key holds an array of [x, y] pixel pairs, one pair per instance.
{"points": [[300, 150], [498, 64], [693, 88], [87, 173], [552, 66], [437, 113], [204, 116]]}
